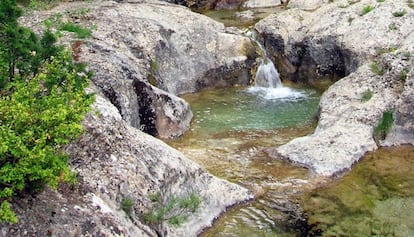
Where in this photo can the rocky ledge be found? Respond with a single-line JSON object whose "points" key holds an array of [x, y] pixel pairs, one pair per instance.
{"points": [[370, 45], [116, 162], [143, 54]]}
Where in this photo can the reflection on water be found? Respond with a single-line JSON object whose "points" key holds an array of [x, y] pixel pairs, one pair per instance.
{"points": [[375, 199], [230, 132]]}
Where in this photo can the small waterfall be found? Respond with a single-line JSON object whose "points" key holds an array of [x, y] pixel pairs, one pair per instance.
{"points": [[267, 74]]}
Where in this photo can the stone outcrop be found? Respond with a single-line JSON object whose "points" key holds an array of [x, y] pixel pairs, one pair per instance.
{"points": [[308, 5], [375, 51], [227, 4], [114, 162], [142, 54], [334, 40], [139, 46]]}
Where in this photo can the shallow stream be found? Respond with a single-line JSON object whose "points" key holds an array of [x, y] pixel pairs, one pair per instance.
{"points": [[233, 127]]}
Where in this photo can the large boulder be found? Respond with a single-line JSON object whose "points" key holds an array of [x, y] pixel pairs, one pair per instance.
{"points": [[374, 48], [139, 46], [116, 162], [334, 40]]}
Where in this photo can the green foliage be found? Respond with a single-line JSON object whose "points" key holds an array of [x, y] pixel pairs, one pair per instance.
{"points": [[42, 103], [171, 209], [6, 214], [126, 205], [80, 31], [366, 10], [377, 69], [399, 13], [366, 95], [380, 0], [382, 129], [404, 74]]}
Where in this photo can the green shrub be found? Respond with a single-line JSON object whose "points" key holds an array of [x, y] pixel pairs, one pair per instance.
{"points": [[399, 13], [377, 69], [380, 0], [366, 10], [382, 129], [42, 104]]}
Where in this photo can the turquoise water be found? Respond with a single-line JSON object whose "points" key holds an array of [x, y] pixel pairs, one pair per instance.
{"points": [[230, 132], [241, 109]]}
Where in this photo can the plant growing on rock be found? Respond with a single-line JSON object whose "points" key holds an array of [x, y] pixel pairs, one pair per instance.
{"points": [[377, 69], [170, 210], [382, 129], [366, 10], [399, 13], [366, 95]]}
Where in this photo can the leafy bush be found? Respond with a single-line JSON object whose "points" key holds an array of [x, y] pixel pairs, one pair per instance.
{"points": [[42, 103]]}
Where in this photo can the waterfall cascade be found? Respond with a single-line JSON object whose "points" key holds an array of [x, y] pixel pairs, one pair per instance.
{"points": [[267, 74], [267, 82]]}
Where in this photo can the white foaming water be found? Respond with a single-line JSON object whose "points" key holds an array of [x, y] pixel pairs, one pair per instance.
{"points": [[267, 83], [279, 93], [267, 75]]}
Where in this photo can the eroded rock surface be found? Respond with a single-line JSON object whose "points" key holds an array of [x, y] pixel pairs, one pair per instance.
{"points": [[139, 46], [374, 48], [114, 162], [334, 40]]}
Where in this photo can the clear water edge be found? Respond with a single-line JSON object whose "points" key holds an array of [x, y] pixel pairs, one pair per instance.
{"points": [[230, 132]]}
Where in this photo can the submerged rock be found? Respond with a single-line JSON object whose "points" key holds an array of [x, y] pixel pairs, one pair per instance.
{"points": [[374, 199]]}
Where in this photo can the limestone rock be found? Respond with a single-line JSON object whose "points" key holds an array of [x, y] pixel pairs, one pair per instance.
{"points": [[138, 46], [348, 113], [334, 40], [342, 39], [308, 5], [114, 162], [262, 3], [403, 130]]}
